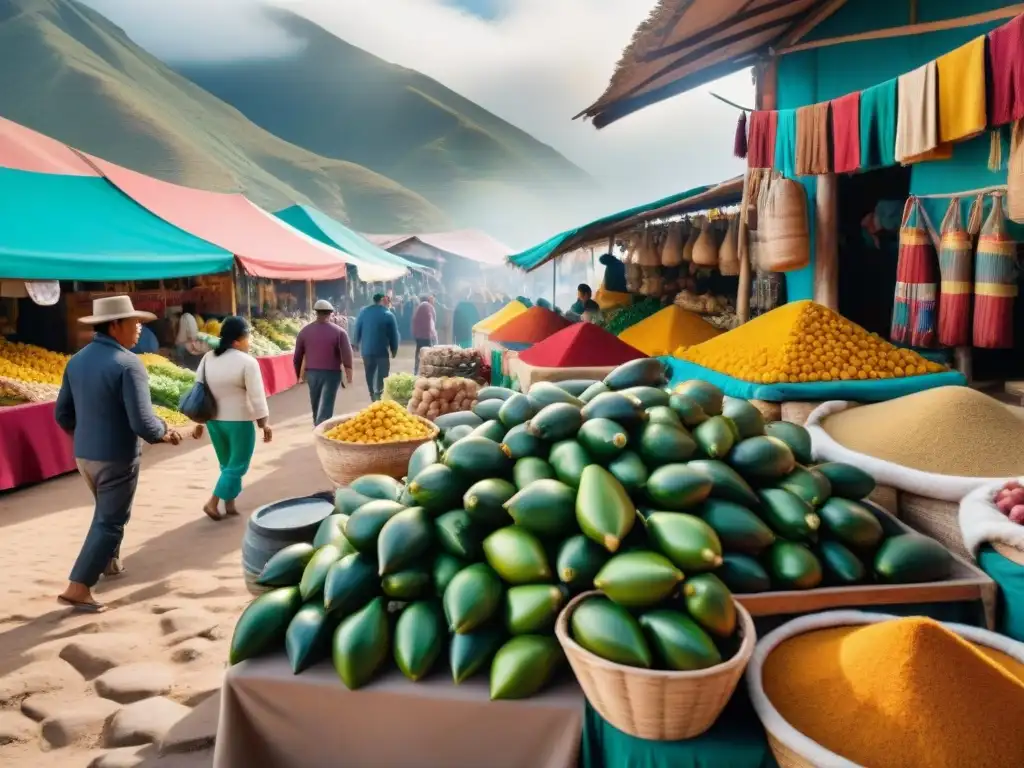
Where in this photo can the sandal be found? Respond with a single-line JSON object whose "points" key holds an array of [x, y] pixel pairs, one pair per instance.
{"points": [[81, 606]]}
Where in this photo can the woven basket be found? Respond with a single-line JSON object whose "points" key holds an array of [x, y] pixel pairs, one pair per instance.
{"points": [[655, 704], [786, 246], [344, 462], [793, 749], [935, 518], [886, 497]]}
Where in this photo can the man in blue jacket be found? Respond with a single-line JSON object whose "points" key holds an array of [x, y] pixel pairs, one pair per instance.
{"points": [[104, 404], [376, 335]]}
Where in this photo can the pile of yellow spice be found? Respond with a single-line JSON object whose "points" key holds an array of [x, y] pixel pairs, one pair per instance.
{"points": [[804, 341], [384, 422]]}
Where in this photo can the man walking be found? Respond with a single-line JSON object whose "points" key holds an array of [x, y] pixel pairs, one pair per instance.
{"points": [[325, 349], [377, 335], [104, 404], [424, 328]]}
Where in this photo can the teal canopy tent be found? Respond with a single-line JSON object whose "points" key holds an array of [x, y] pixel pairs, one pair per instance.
{"points": [[57, 227], [372, 263], [696, 199]]}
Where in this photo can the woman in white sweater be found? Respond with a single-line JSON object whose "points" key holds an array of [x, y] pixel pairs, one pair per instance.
{"points": [[236, 384]]}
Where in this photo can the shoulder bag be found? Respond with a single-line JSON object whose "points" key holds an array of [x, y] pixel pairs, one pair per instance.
{"points": [[198, 403]]}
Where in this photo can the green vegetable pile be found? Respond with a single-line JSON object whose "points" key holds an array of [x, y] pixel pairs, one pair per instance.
{"points": [[621, 319], [399, 387], [167, 390], [667, 502]]}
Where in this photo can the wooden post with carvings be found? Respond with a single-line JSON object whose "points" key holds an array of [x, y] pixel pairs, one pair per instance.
{"points": [[826, 242]]}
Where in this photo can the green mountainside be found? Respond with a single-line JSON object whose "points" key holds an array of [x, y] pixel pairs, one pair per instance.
{"points": [[339, 101], [72, 74]]}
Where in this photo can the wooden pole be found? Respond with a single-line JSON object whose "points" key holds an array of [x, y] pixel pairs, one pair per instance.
{"points": [[234, 289], [743, 253], [826, 242]]}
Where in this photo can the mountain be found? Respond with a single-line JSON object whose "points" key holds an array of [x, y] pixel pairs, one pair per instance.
{"points": [[340, 101], [72, 74]]}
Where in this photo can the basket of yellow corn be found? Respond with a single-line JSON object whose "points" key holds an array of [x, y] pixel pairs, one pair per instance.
{"points": [[379, 439]]}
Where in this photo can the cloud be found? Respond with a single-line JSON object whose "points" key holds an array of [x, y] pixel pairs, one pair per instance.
{"points": [[536, 64]]}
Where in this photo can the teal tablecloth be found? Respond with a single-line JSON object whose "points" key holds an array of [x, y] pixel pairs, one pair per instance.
{"points": [[1009, 577], [858, 391], [737, 740]]}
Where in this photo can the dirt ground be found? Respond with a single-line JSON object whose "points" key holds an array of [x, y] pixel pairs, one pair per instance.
{"points": [[160, 651]]}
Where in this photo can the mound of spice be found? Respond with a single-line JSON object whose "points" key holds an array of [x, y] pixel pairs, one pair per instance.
{"points": [[581, 345], [502, 316], [530, 327], [906, 693], [667, 330], [946, 431], [803, 341]]}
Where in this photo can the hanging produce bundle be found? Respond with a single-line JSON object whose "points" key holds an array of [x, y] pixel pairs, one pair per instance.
{"points": [[665, 501]]}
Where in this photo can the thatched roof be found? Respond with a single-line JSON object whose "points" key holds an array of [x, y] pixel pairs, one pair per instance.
{"points": [[686, 43]]}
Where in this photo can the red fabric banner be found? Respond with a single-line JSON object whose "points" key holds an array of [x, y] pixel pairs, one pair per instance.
{"points": [[32, 447], [278, 373]]}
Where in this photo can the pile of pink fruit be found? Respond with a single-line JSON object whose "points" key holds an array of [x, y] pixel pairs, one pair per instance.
{"points": [[1010, 501]]}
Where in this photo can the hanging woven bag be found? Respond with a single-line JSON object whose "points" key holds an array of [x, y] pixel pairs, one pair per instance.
{"points": [[995, 282], [672, 249], [705, 250], [914, 305], [1015, 175], [786, 243], [692, 233], [955, 257], [646, 255], [728, 254]]}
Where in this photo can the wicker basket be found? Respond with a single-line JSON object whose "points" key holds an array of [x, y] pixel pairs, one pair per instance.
{"points": [[786, 243], [793, 749], [887, 498], [655, 704], [935, 518], [344, 462]]}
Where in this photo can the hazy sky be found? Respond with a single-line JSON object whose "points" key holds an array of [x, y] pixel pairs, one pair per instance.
{"points": [[535, 63]]}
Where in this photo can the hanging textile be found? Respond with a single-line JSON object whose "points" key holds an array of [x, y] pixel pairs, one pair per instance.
{"points": [[995, 282], [785, 143], [917, 121], [761, 143], [955, 256], [913, 317], [812, 140], [962, 92], [1006, 70], [878, 125], [846, 133]]}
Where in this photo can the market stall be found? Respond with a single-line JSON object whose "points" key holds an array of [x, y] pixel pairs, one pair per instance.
{"points": [[501, 530]]}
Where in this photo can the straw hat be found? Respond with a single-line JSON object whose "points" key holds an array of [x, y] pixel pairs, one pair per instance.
{"points": [[323, 306], [115, 308]]}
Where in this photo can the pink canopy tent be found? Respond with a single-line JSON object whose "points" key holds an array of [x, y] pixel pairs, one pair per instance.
{"points": [[23, 149], [265, 245]]}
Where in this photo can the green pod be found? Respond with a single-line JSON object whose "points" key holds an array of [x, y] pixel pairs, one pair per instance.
{"points": [[350, 584], [490, 430], [423, 457], [361, 645], [710, 398], [519, 444], [285, 567], [315, 572], [419, 639], [795, 436], [638, 579], [532, 608], [458, 535], [515, 411], [438, 487], [529, 469], [472, 598], [307, 639], [738, 529], [794, 566], [262, 626], [408, 585], [347, 501], [568, 458], [523, 666], [485, 502], [603, 439], [365, 524], [545, 393], [609, 631], [332, 531], [579, 561], [380, 487], [710, 603], [715, 437], [678, 641], [559, 421], [747, 420], [690, 543], [517, 556], [471, 652], [743, 575], [444, 569], [546, 508], [477, 458], [403, 540], [631, 472]]}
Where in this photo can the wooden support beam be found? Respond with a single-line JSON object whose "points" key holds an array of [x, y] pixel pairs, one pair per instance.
{"points": [[802, 28], [826, 242], [908, 30]]}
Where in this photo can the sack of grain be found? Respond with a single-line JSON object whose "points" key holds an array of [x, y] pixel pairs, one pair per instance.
{"points": [[786, 241], [728, 254], [672, 250], [433, 397], [705, 250], [646, 255]]}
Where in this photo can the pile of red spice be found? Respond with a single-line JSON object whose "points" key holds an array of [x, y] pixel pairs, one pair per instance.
{"points": [[582, 345], [533, 325]]}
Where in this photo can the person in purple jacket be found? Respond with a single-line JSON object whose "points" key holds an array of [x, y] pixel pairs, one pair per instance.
{"points": [[424, 328], [325, 350]]}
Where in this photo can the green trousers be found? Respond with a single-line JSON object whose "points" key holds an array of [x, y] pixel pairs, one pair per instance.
{"points": [[234, 442]]}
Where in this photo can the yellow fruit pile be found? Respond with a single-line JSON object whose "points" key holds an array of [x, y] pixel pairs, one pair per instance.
{"points": [[150, 359], [173, 418], [211, 327], [384, 422], [26, 362], [804, 341]]}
